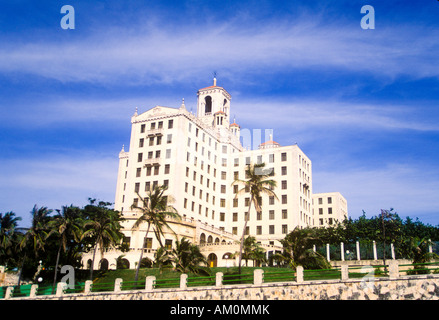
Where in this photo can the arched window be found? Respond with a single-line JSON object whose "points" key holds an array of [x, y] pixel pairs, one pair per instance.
{"points": [[208, 102]]}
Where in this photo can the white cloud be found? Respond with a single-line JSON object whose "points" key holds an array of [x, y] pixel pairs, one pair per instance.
{"points": [[55, 181], [160, 55], [405, 188]]}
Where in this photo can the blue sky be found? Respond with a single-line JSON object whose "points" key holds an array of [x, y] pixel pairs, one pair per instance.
{"points": [[362, 104]]}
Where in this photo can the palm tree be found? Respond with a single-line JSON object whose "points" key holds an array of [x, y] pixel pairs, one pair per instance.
{"points": [[104, 226], [252, 250], [297, 250], [257, 183], [67, 225], [417, 249], [155, 211], [188, 258], [34, 238], [162, 258], [8, 235]]}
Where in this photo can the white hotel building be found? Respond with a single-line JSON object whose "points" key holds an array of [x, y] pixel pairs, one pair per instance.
{"points": [[198, 158]]}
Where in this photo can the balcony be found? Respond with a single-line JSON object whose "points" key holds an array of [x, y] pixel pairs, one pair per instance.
{"points": [[155, 132], [152, 162]]}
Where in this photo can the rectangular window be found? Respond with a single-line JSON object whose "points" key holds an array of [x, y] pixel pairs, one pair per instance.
{"points": [[223, 188], [271, 158], [147, 186], [156, 170], [142, 128], [271, 200], [159, 140], [170, 124], [148, 171], [284, 184], [284, 199], [223, 175], [235, 202], [148, 243], [141, 142], [168, 244], [138, 172], [271, 214], [169, 138], [235, 216], [284, 229], [284, 156], [139, 157], [271, 229], [284, 214], [320, 210], [160, 125], [320, 201], [259, 230], [284, 171], [137, 187], [259, 215], [151, 141], [168, 153], [167, 168], [222, 216], [329, 200], [223, 203], [329, 210]]}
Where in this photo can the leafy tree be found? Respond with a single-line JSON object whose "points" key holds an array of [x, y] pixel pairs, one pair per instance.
{"points": [[162, 259], [155, 212], [257, 182]]}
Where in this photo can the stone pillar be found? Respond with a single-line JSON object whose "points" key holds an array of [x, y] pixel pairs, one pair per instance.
{"points": [[392, 250], [149, 283], [219, 279], [342, 251], [430, 247], [393, 269], [299, 274], [183, 281], [2, 275], [118, 285], [328, 256], [358, 250], [258, 277], [9, 292], [87, 286], [33, 291], [374, 250], [344, 272], [60, 287]]}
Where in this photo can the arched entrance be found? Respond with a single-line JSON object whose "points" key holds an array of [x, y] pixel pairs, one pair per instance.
{"points": [[104, 264], [212, 259]]}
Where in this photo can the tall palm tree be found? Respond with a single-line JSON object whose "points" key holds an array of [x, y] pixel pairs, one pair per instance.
{"points": [[257, 182], [104, 226], [188, 258], [32, 242], [67, 225], [155, 212]]}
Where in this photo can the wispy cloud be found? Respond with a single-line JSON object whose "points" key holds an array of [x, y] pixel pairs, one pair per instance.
{"points": [[158, 54], [405, 188], [55, 181]]}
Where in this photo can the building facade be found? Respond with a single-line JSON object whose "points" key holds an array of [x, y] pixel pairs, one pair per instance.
{"points": [[329, 208], [198, 157]]}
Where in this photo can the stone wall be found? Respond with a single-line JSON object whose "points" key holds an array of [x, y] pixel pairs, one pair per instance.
{"points": [[420, 287]]}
